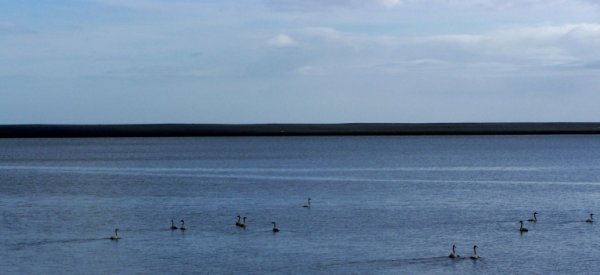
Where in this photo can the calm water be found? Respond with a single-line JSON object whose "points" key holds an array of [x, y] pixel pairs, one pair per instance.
{"points": [[384, 205]]}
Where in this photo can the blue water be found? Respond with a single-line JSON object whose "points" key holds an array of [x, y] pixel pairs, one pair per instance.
{"points": [[380, 205]]}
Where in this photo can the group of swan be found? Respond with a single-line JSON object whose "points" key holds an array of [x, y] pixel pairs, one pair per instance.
{"points": [[243, 224], [182, 227], [454, 255], [534, 219], [522, 229], [240, 222]]}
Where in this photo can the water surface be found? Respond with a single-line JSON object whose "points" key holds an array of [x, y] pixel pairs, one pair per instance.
{"points": [[385, 205]]}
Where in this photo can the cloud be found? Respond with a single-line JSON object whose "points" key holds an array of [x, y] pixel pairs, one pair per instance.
{"points": [[316, 5], [319, 5], [309, 70], [569, 46], [168, 6], [509, 4], [389, 3], [281, 40]]}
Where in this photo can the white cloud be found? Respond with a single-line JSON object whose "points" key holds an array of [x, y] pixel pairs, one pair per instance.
{"points": [[506, 47], [389, 3], [309, 70], [281, 40]]}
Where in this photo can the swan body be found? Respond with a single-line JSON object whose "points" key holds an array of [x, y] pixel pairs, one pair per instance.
{"points": [[590, 219], [534, 219], [173, 227], [307, 205], [116, 236], [243, 224], [523, 229], [275, 229], [474, 256], [238, 223], [453, 254], [182, 227]]}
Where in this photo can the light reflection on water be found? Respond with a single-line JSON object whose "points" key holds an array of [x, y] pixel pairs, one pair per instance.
{"points": [[380, 204]]}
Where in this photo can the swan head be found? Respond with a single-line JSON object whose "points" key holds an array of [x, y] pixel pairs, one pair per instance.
{"points": [[521, 222]]}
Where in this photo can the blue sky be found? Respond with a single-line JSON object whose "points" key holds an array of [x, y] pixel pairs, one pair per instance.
{"points": [[299, 61]]}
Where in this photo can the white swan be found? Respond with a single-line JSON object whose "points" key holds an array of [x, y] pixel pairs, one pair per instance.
{"points": [[534, 219], [523, 229], [182, 227], [275, 229], [243, 224], [453, 255], [591, 218], [238, 223], [116, 236], [474, 256], [308, 204], [173, 227]]}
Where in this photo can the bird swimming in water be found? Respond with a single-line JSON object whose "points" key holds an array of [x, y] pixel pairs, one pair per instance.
{"points": [[173, 227], [591, 218], [534, 219], [238, 223], [182, 227], [453, 254], [243, 224], [523, 229], [116, 236], [308, 204], [275, 229], [474, 256]]}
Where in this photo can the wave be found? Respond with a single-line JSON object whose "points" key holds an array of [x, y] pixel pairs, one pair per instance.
{"points": [[64, 241], [207, 173], [290, 170], [406, 261]]}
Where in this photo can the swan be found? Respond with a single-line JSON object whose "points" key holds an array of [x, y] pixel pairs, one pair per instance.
{"points": [[275, 229], [182, 227], [534, 219], [591, 218], [523, 229], [243, 224], [116, 236], [173, 227], [308, 204], [238, 223], [453, 255], [474, 256]]}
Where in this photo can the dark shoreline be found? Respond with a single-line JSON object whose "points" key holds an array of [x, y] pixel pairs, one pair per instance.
{"points": [[183, 130]]}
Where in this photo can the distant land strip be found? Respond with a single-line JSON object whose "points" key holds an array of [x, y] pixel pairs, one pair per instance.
{"points": [[186, 130]]}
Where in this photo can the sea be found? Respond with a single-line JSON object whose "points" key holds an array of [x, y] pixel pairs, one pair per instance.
{"points": [[379, 205]]}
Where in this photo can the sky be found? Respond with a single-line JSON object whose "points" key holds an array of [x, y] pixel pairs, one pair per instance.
{"points": [[298, 61]]}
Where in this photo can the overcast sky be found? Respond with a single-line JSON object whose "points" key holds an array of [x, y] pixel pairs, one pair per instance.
{"points": [[293, 61]]}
